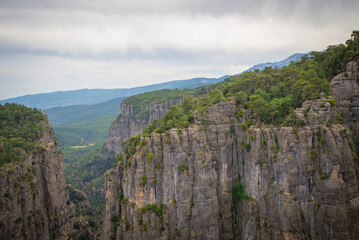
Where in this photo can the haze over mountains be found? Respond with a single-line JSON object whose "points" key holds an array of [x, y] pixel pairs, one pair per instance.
{"points": [[95, 96], [84, 116], [293, 58]]}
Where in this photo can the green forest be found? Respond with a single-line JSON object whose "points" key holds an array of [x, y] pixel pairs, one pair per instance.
{"points": [[94, 130], [20, 128], [141, 101], [271, 94]]}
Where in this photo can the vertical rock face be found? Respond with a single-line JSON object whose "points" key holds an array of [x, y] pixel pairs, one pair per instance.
{"points": [[228, 180], [345, 90], [126, 125], [33, 200]]}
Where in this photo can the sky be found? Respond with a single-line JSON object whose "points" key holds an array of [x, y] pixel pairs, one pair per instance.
{"points": [[51, 45]]}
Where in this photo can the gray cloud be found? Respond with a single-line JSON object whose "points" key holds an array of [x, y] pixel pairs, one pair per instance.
{"points": [[310, 10], [53, 43]]}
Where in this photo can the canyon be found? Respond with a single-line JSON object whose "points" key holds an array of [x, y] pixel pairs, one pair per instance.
{"points": [[224, 178]]}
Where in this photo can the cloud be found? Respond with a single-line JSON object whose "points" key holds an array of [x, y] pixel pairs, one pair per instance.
{"points": [[36, 74], [66, 33], [101, 43]]}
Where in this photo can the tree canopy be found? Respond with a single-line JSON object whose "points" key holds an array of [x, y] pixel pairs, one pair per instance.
{"points": [[20, 127]]}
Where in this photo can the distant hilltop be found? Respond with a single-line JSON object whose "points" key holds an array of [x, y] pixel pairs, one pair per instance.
{"points": [[95, 96], [293, 58]]}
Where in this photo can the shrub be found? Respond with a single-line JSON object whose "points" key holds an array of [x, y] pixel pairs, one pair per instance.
{"points": [[247, 146], [238, 193], [158, 166], [313, 154], [233, 130], [321, 140], [185, 124], [143, 181], [179, 131], [240, 113], [183, 167], [332, 102], [150, 157]]}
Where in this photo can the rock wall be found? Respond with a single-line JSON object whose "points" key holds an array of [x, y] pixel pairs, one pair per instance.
{"points": [[33, 202], [228, 180], [126, 125], [345, 90]]}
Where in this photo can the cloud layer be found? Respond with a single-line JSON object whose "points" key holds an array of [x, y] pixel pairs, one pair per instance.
{"points": [[62, 44]]}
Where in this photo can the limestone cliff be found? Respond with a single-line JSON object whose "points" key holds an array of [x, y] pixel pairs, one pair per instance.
{"points": [[33, 202], [228, 179], [126, 125]]}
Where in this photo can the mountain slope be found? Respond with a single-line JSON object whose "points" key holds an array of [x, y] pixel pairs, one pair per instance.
{"points": [[293, 58], [94, 96], [94, 130], [75, 113]]}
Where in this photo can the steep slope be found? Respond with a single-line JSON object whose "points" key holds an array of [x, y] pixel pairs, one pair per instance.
{"points": [[223, 178], [34, 203], [345, 91], [138, 112]]}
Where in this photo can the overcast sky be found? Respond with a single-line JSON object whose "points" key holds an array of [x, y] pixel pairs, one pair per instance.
{"points": [[50, 45]]}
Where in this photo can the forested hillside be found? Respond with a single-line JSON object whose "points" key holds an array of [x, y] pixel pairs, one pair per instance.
{"points": [[76, 113], [20, 128]]}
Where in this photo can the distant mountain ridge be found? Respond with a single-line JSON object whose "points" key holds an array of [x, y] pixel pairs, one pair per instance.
{"points": [[95, 96], [293, 58], [69, 114]]}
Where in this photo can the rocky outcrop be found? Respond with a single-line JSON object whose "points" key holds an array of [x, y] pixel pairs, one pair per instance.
{"points": [[126, 125], [33, 202], [229, 179], [345, 90]]}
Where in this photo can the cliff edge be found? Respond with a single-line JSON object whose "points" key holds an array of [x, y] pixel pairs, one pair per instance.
{"points": [[34, 203], [225, 178]]}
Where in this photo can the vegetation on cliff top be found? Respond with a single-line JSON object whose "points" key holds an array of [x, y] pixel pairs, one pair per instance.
{"points": [[20, 128], [140, 102], [271, 94]]}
